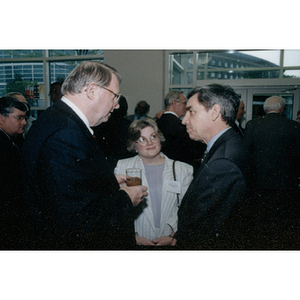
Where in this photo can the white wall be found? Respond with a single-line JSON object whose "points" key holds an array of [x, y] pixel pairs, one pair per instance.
{"points": [[143, 76]]}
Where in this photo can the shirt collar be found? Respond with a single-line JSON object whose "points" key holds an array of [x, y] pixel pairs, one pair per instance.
{"points": [[171, 112], [80, 114], [212, 141]]}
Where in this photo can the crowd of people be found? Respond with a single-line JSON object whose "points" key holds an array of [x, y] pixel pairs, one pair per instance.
{"points": [[207, 183]]}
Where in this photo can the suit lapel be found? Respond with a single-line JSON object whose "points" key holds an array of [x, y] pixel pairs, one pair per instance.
{"points": [[224, 137]]}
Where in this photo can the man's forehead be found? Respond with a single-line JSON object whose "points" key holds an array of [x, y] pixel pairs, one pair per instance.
{"points": [[17, 111], [193, 101]]}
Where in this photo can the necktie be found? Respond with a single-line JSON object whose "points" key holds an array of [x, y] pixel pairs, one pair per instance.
{"points": [[204, 156]]}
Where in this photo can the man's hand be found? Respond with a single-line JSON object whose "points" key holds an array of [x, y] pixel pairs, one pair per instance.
{"points": [[136, 193]]}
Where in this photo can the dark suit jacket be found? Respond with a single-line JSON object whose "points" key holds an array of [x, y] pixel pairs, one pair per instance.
{"points": [[274, 143], [210, 214], [72, 194], [178, 145], [11, 194]]}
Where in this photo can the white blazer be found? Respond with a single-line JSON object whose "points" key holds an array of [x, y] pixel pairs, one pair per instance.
{"points": [[144, 224]]}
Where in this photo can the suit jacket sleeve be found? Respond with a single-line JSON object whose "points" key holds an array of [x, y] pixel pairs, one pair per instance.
{"points": [[82, 193]]}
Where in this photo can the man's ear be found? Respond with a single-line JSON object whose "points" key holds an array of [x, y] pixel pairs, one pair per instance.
{"points": [[215, 111], [91, 90]]}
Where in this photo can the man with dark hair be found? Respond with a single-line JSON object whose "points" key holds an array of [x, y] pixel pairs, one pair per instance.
{"points": [[12, 123], [210, 214], [74, 199], [55, 91], [140, 112]]}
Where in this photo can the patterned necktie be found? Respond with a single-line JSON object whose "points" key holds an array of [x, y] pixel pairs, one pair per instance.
{"points": [[204, 156]]}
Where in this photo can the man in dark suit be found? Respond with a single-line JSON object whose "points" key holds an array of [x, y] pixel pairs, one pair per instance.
{"points": [[74, 199], [178, 145], [12, 124], [239, 116], [210, 216], [274, 143], [140, 112]]}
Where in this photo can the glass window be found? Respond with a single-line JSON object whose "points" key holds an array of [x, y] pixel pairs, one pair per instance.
{"points": [[59, 70], [24, 78], [74, 52], [291, 73], [259, 99], [243, 74], [20, 53], [291, 58], [239, 59], [181, 68], [27, 77]]}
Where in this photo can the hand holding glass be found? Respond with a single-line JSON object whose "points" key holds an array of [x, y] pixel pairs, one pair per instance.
{"points": [[133, 176]]}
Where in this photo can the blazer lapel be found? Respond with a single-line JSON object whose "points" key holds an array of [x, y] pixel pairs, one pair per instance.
{"points": [[224, 137]]}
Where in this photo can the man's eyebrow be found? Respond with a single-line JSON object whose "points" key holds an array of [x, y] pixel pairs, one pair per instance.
{"points": [[188, 108]]}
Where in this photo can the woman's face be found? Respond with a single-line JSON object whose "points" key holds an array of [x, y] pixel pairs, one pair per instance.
{"points": [[148, 146]]}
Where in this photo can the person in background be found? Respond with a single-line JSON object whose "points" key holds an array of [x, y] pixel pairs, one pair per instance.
{"points": [[211, 212], [274, 143], [156, 220], [55, 91], [140, 112], [30, 119], [178, 144], [73, 197], [239, 116], [12, 123], [298, 116], [158, 115], [112, 135]]}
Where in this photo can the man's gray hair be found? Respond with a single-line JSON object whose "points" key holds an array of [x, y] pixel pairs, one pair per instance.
{"points": [[86, 73], [274, 103], [171, 96]]}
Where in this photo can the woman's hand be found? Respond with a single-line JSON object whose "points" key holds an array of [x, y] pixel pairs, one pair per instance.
{"points": [[143, 241], [163, 241]]}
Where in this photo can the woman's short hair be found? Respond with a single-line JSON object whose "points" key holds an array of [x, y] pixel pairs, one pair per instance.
{"points": [[135, 128], [86, 73]]}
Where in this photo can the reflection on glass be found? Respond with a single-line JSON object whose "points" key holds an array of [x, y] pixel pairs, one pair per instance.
{"points": [[291, 58], [239, 59], [181, 68], [71, 52], [291, 73], [59, 70], [25, 78], [243, 74], [20, 53], [258, 102]]}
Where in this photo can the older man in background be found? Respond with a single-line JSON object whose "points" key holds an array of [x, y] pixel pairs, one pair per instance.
{"points": [[274, 143], [178, 145]]}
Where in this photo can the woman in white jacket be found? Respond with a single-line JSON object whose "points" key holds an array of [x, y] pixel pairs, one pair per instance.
{"points": [[156, 220]]}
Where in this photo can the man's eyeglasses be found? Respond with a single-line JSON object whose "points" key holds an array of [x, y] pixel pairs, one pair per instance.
{"points": [[117, 96], [20, 118], [142, 141]]}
